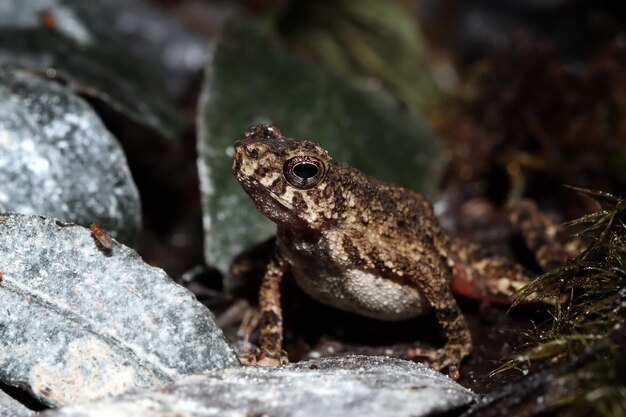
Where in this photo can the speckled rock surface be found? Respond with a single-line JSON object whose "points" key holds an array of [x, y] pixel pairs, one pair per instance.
{"points": [[57, 159], [71, 40], [11, 408], [329, 387], [79, 322]]}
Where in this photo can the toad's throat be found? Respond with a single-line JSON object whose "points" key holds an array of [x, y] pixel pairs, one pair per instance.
{"points": [[363, 293]]}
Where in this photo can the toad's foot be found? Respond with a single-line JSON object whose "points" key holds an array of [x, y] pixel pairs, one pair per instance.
{"points": [[259, 357], [440, 359], [272, 359]]}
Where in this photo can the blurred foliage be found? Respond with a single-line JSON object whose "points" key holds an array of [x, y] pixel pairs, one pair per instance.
{"points": [[589, 317], [365, 38], [528, 116]]}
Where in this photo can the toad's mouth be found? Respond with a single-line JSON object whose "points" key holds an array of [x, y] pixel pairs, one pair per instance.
{"points": [[270, 204]]}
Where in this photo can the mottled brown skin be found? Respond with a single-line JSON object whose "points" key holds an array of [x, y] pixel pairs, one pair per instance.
{"points": [[540, 233], [356, 243]]}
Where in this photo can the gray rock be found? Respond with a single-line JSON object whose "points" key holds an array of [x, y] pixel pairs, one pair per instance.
{"points": [[348, 386], [57, 159], [73, 41], [11, 408], [79, 322]]}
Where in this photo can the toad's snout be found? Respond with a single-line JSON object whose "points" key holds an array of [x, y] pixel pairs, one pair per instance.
{"points": [[251, 159], [245, 154], [249, 150]]}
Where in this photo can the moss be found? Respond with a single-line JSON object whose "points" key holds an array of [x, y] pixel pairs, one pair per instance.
{"points": [[588, 318]]}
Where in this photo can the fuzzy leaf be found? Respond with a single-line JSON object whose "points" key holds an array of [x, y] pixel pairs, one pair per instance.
{"points": [[250, 81]]}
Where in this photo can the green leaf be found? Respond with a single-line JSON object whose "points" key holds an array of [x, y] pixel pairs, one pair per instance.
{"points": [[251, 80]]}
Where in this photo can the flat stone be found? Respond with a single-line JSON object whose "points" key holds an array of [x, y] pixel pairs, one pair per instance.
{"points": [[341, 386], [12, 408], [79, 321]]}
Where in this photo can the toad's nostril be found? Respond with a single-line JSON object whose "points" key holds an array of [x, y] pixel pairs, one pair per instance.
{"points": [[251, 152]]}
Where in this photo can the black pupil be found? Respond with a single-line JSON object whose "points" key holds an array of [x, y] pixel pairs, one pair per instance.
{"points": [[305, 170]]}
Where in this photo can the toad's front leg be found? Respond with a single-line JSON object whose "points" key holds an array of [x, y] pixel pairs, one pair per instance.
{"points": [[431, 277], [271, 324], [459, 340]]}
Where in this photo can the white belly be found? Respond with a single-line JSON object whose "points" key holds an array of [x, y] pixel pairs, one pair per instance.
{"points": [[363, 293]]}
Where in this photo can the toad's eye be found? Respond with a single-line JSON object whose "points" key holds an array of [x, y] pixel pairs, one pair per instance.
{"points": [[304, 171]]}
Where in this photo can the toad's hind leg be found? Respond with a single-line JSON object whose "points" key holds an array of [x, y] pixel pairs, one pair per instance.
{"points": [[540, 233], [483, 276]]}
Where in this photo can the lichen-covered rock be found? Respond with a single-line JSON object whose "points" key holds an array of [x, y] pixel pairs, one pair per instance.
{"points": [[11, 408], [73, 41], [57, 159], [80, 321], [352, 386]]}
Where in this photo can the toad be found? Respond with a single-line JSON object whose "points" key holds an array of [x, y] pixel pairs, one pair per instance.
{"points": [[356, 243]]}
